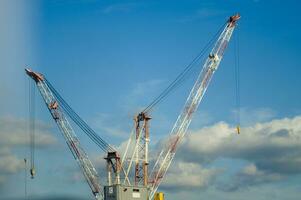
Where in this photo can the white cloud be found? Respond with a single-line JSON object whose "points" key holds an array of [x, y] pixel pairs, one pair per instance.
{"points": [[274, 145], [103, 122], [188, 175], [249, 176], [10, 164], [14, 134], [272, 149]]}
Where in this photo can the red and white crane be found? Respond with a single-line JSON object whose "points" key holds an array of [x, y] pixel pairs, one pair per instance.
{"points": [[59, 110], [66, 129], [196, 94]]}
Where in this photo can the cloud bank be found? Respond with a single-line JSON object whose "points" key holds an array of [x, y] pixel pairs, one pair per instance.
{"points": [[14, 137], [272, 151]]}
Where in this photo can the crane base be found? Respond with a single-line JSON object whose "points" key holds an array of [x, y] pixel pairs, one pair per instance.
{"points": [[122, 192]]}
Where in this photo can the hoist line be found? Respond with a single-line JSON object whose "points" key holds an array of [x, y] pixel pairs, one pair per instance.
{"points": [[179, 79], [80, 122], [32, 123], [237, 79], [25, 178]]}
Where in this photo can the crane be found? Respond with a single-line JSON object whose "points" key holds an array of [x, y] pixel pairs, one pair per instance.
{"points": [[145, 184], [66, 129], [183, 121]]}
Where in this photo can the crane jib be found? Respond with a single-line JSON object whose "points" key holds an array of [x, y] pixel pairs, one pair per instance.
{"points": [[52, 101], [196, 94]]}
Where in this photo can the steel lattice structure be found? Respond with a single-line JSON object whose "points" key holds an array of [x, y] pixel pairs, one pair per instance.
{"points": [[197, 92], [59, 109], [72, 141]]}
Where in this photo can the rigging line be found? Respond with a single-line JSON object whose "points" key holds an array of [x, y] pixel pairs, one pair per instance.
{"points": [[75, 117], [90, 134], [83, 128], [80, 122], [93, 138], [181, 76], [97, 142], [81, 125], [71, 114], [185, 72]]}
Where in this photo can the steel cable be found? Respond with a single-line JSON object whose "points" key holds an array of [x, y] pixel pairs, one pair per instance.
{"points": [[80, 122], [180, 78]]}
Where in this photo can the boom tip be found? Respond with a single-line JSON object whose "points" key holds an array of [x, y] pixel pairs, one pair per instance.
{"points": [[34, 75], [233, 19]]}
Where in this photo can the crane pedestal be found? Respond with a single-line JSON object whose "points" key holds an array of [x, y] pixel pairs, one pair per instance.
{"points": [[122, 192]]}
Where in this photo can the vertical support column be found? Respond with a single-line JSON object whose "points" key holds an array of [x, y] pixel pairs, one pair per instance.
{"points": [[109, 170], [118, 168], [141, 154], [113, 163], [137, 125], [146, 145]]}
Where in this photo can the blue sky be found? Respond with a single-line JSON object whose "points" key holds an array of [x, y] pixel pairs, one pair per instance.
{"points": [[109, 59]]}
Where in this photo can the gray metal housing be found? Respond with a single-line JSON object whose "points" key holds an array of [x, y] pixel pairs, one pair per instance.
{"points": [[121, 192]]}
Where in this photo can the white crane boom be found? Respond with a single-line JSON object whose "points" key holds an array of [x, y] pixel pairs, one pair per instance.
{"points": [[72, 141], [196, 94]]}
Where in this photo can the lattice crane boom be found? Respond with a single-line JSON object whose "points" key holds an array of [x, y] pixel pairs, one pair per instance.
{"points": [[72, 141], [196, 94]]}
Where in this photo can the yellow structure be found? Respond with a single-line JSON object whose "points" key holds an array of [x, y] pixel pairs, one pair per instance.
{"points": [[159, 196], [238, 129]]}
